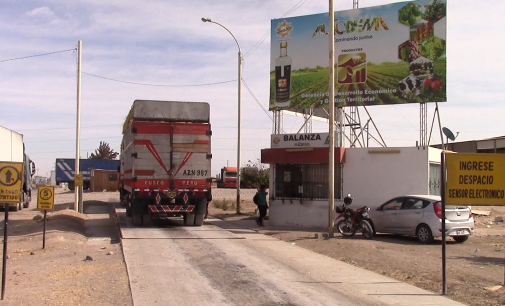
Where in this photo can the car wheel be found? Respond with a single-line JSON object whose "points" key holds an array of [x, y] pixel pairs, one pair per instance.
{"points": [[424, 234], [460, 239]]}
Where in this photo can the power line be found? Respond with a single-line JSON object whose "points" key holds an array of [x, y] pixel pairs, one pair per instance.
{"points": [[24, 57], [258, 102], [157, 85]]}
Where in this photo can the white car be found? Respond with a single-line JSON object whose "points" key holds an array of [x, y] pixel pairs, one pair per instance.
{"points": [[421, 216]]}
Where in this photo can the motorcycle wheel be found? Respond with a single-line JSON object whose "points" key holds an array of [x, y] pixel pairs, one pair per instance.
{"points": [[366, 229], [345, 228]]}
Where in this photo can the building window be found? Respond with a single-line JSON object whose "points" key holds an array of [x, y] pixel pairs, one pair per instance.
{"points": [[305, 181]]}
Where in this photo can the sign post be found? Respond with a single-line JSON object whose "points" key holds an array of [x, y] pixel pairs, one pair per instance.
{"points": [[78, 183], [10, 191], [45, 201]]}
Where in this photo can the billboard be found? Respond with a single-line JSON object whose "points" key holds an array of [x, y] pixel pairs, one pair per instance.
{"points": [[389, 54]]}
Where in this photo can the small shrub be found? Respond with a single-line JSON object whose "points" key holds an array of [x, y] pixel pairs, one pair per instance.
{"points": [[224, 204]]}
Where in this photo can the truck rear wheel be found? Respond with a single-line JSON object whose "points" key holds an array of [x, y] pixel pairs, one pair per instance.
{"points": [[147, 219], [199, 219], [189, 219]]}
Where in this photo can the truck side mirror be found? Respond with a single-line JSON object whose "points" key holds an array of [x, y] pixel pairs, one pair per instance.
{"points": [[32, 170]]}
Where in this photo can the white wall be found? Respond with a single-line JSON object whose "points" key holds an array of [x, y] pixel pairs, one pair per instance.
{"points": [[52, 180], [375, 175], [296, 213], [371, 175]]}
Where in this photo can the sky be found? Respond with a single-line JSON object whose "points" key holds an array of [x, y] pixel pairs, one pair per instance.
{"points": [[161, 50]]}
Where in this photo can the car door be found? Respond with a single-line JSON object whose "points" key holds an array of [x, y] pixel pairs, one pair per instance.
{"points": [[409, 215], [386, 215]]}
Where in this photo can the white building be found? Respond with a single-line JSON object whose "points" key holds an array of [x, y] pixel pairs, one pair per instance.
{"points": [[299, 177]]}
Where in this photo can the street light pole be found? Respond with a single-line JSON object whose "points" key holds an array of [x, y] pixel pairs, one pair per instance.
{"points": [[239, 128]]}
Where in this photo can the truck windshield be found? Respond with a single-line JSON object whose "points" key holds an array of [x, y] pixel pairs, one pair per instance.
{"points": [[231, 174]]}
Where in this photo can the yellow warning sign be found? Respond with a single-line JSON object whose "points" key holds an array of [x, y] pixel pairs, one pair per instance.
{"points": [[10, 181], [45, 198], [78, 180], [475, 179]]}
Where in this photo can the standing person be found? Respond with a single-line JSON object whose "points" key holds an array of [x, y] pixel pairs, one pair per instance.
{"points": [[262, 204]]}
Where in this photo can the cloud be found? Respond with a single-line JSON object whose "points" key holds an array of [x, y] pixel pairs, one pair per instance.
{"points": [[41, 12]]}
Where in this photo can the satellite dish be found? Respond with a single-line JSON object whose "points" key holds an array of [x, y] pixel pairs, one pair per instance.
{"points": [[448, 133]]}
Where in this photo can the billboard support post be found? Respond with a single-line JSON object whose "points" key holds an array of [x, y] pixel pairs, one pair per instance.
{"points": [[331, 123]]}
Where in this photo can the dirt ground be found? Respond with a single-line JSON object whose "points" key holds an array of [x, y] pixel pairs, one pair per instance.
{"points": [[475, 268], [82, 262]]}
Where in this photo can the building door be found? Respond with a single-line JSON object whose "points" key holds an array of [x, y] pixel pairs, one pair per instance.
{"points": [[434, 183]]}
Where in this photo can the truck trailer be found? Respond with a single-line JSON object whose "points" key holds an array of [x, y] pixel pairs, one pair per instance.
{"points": [[65, 170], [12, 149], [166, 161]]}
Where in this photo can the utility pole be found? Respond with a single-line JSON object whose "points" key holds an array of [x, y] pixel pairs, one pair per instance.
{"points": [[78, 189]]}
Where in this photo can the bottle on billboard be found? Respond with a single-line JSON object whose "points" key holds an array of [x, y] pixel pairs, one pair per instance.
{"points": [[283, 77]]}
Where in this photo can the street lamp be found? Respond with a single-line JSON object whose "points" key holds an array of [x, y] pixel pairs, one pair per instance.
{"points": [[239, 107]]}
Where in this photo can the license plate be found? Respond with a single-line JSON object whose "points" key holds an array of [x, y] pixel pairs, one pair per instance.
{"points": [[365, 214], [461, 232]]}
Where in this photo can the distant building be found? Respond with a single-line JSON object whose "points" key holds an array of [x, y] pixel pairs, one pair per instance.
{"points": [[39, 180], [490, 145]]}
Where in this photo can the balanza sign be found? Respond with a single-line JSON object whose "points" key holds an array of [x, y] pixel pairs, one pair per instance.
{"points": [[310, 140], [300, 137]]}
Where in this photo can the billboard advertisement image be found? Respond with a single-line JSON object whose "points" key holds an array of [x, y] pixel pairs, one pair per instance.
{"points": [[389, 54]]}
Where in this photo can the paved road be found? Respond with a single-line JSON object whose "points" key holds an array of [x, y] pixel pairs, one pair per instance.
{"points": [[227, 263]]}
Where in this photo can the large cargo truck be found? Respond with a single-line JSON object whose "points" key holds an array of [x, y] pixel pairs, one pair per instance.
{"points": [[65, 170], [12, 149], [166, 161], [228, 178]]}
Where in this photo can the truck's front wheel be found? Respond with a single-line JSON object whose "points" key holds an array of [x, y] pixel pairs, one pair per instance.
{"points": [[27, 199]]}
